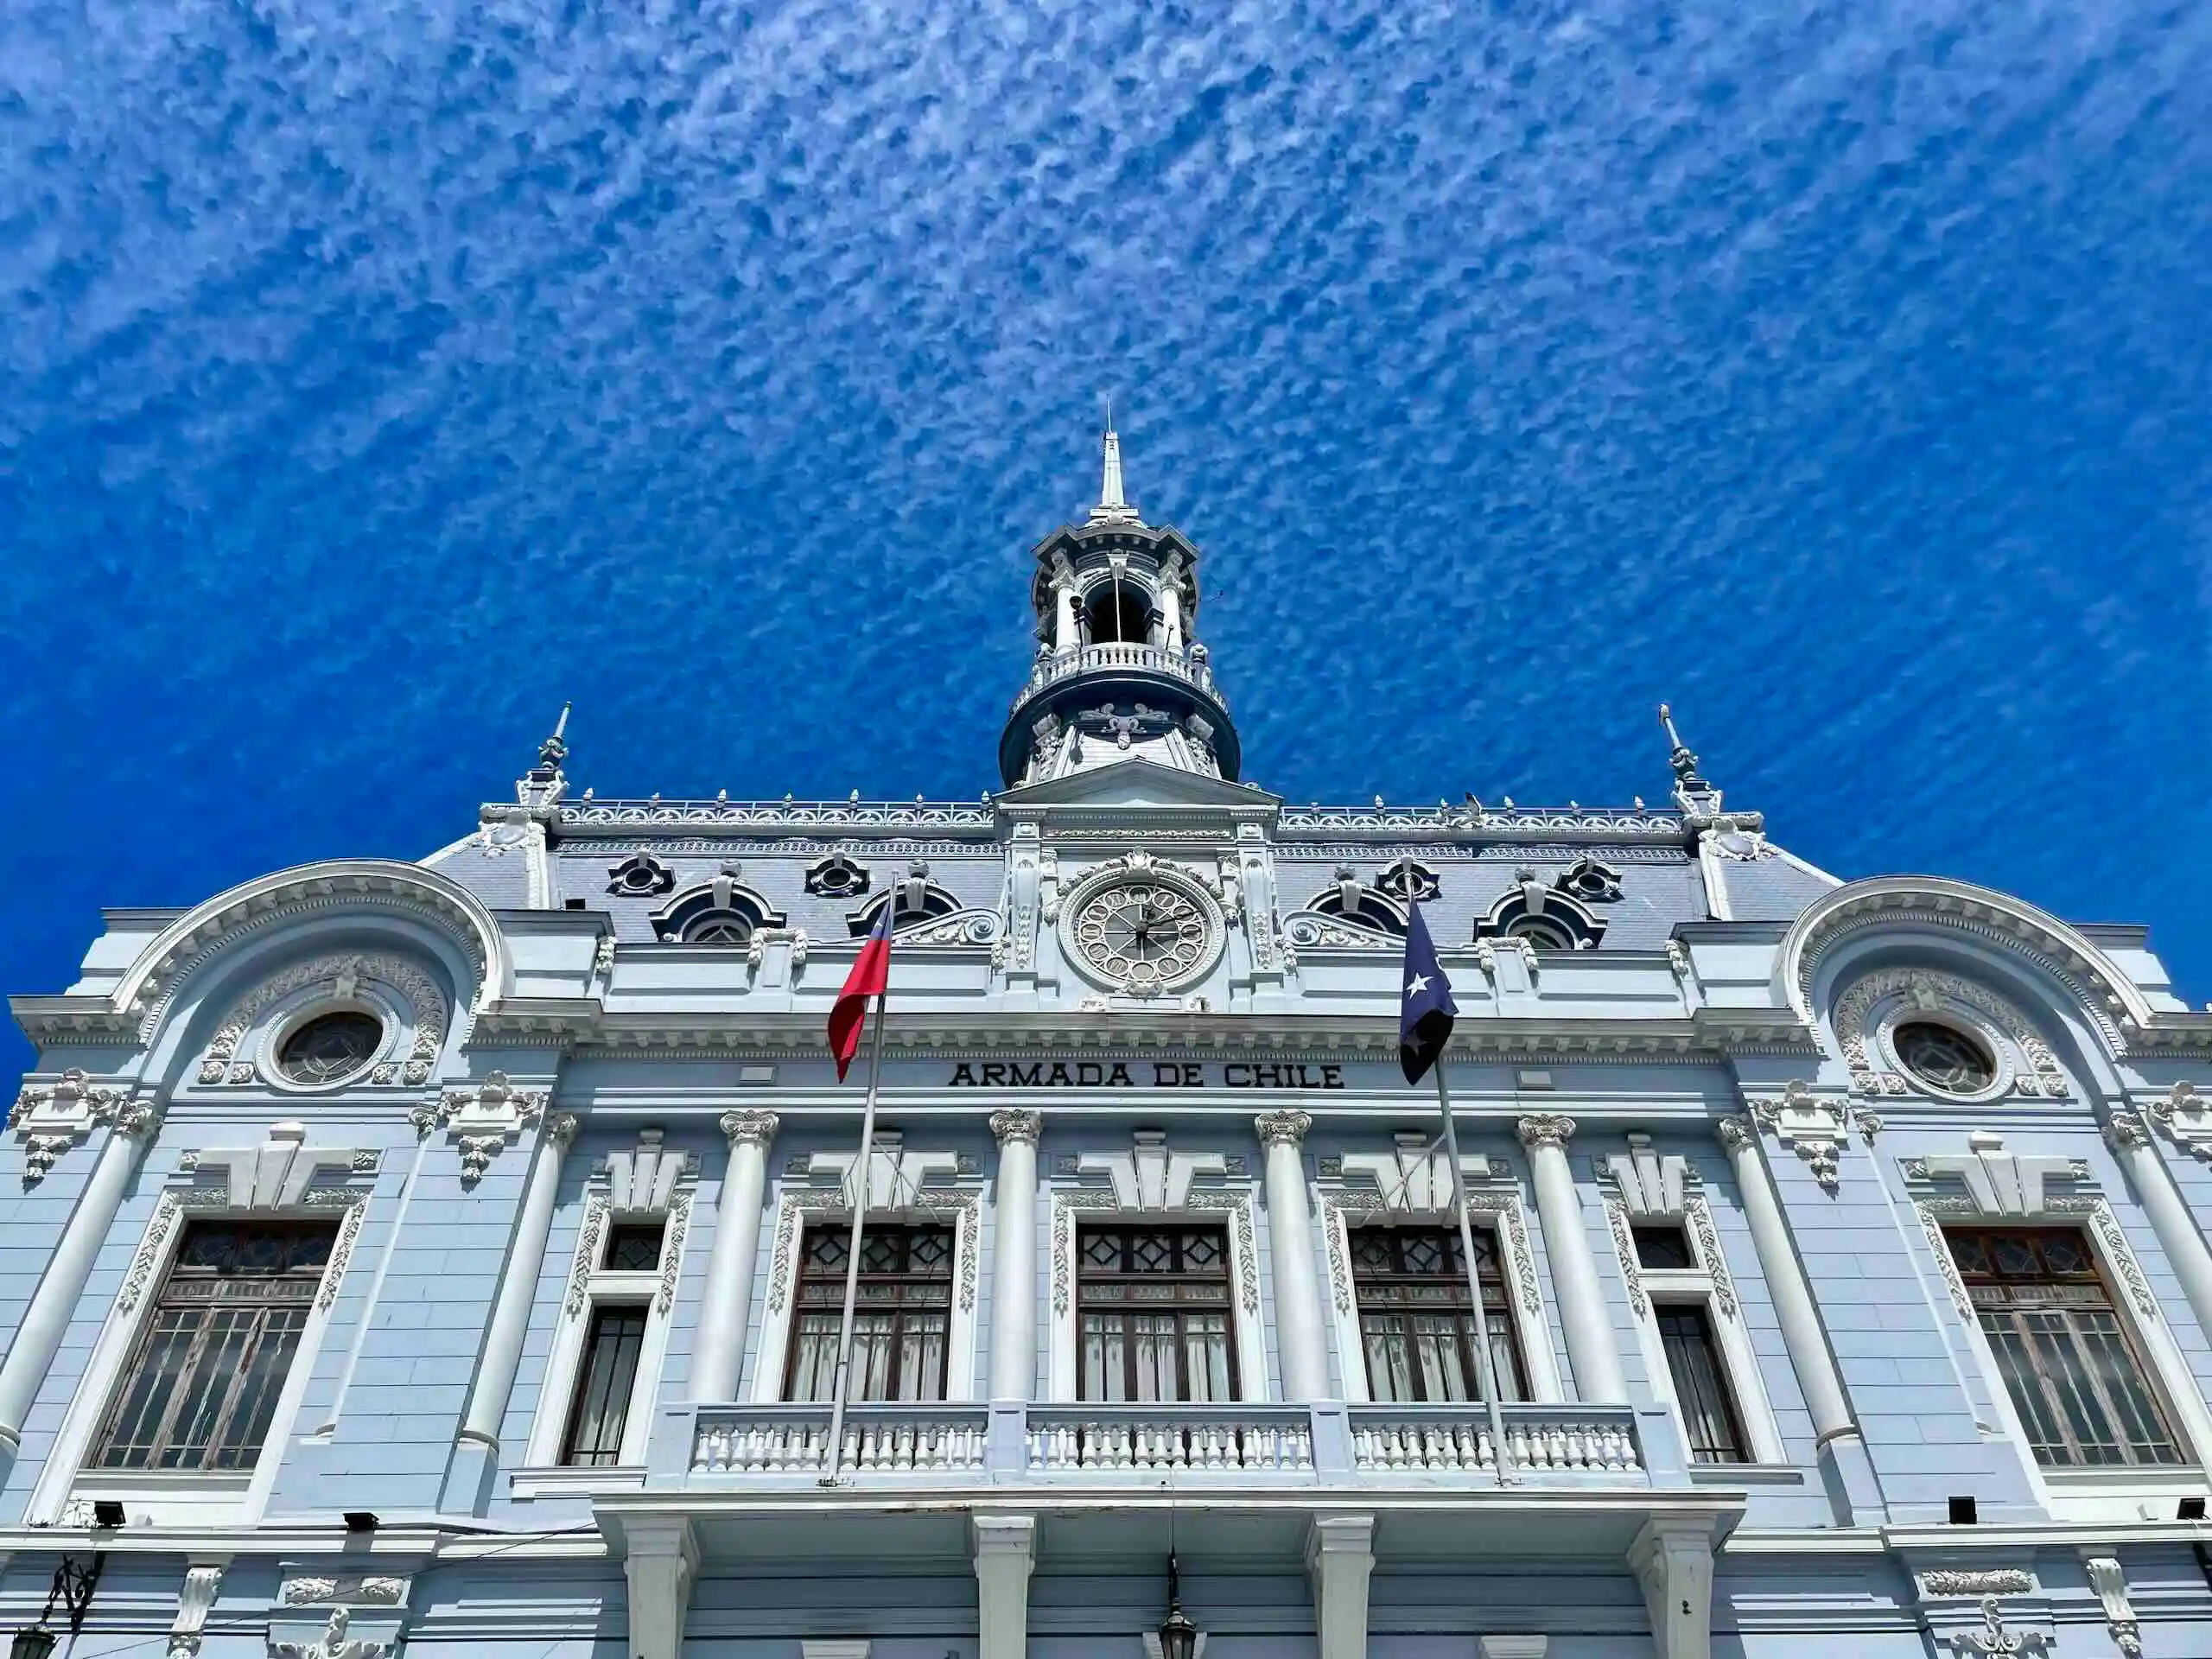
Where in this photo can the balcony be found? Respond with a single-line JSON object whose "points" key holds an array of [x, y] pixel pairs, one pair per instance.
{"points": [[1120, 659], [952, 1447]]}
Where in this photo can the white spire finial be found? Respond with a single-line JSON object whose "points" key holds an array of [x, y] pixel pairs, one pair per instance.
{"points": [[1112, 503]]}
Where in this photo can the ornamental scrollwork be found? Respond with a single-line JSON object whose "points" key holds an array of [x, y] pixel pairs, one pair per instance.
{"points": [[1926, 989], [425, 1001], [1977, 1581]]}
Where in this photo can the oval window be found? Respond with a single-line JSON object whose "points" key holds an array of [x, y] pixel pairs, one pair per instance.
{"points": [[330, 1047], [1943, 1058]]}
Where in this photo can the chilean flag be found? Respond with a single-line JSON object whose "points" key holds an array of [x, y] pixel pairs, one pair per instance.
{"points": [[870, 975]]}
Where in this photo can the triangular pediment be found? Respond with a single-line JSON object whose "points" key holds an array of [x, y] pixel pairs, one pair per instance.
{"points": [[1138, 785]]}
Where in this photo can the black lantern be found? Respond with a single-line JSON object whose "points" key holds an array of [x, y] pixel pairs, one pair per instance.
{"points": [[1178, 1638], [73, 1588]]}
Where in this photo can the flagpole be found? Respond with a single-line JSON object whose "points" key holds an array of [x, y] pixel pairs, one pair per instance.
{"points": [[1484, 1364], [862, 1177]]}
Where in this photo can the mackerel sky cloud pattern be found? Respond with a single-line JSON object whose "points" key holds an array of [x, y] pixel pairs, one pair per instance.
{"points": [[373, 378]]}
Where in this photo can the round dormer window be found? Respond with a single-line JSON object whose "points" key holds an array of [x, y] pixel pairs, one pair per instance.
{"points": [[329, 1047], [1943, 1057]]}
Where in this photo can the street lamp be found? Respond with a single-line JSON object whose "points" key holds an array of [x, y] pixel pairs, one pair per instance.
{"points": [[1178, 1638]]}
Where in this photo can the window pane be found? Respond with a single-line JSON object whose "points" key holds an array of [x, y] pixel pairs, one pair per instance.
{"points": [[903, 1310], [1693, 1362], [2073, 1375], [1430, 1355], [202, 1389], [1178, 1347], [605, 1382]]}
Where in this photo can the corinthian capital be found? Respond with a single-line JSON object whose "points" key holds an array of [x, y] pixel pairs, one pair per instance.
{"points": [[1736, 1132], [1545, 1129], [750, 1128], [563, 1127], [1282, 1128], [1009, 1125]]}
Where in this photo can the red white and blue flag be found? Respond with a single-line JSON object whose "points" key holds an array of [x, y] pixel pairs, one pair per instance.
{"points": [[871, 975]]}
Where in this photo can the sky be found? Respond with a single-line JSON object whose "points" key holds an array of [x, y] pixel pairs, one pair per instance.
{"points": [[375, 379]]}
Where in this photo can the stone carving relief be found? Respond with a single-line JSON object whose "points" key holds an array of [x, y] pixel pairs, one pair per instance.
{"points": [[335, 1643], [1976, 1582], [344, 974], [51, 1120], [485, 1119], [2186, 1116], [1812, 1127], [1925, 990], [2110, 1583], [1994, 1641], [1651, 1185]]}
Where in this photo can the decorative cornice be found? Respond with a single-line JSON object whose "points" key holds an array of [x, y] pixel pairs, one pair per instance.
{"points": [[2105, 995], [1008, 1126], [1545, 1129], [1282, 1128], [834, 817]]}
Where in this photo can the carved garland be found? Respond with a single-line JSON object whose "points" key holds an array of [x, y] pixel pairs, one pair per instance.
{"points": [[2044, 1076], [2098, 1213], [1340, 1206], [1708, 1244], [1631, 1270], [426, 1004]]}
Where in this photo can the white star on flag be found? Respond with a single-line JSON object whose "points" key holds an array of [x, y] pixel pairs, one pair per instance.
{"points": [[1419, 984]]}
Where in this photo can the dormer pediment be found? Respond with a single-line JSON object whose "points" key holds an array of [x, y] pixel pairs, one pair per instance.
{"points": [[1138, 785]]}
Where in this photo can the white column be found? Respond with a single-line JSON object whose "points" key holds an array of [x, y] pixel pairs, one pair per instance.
{"points": [[660, 1560], [1064, 637], [1290, 1247], [2184, 1247], [495, 1373], [1013, 1272], [1785, 1282], [1591, 1351], [1171, 616], [30, 1355], [1006, 1551], [1340, 1556], [718, 1346]]}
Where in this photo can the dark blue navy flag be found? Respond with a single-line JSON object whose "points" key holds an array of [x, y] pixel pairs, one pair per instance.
{"points": [[1424, 1004]]}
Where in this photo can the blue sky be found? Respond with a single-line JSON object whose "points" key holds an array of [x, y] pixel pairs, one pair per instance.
{"points": [[374, 377]]}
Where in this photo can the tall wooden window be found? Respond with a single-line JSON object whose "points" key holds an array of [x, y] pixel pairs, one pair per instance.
{"points": [[605, 1382], [1417, 1315], [1153, 1312], [899, 1320], [2074, 1376], [1700, 1382], [203, 1386]]}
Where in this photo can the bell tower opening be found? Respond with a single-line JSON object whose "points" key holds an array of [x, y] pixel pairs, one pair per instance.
{"points": [[1118, 612]]}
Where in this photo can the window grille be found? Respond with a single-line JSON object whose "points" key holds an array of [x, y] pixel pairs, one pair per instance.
{"points": [[900, 1316], [201, 1389], [1417, 1319], [2067, 1360], [1153, 1312]]}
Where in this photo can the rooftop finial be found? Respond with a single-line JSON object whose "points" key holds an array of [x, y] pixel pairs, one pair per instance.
{"points": [[1112, 503], [1683, 762], [555, 749]]}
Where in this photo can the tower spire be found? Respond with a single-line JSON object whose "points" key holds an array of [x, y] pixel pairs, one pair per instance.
{"points": [[1113, 506]]}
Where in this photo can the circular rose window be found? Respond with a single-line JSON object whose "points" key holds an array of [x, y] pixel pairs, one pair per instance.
{"points": [[330, 1047], [1943, 1058]]}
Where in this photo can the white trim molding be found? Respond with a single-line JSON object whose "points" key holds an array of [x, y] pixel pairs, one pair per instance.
{"points": [[282, 1178], [648, 1183], [1664, 1190], [1152, 1182], [1411, 1184], [904, 1184], [1994, 1185]]}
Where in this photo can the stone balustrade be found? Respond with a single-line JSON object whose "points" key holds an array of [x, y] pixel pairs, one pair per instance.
{"points": [[880, 1439], [1327, 1444], [1260, 1440], [1148, 659], [1456, 1440]]}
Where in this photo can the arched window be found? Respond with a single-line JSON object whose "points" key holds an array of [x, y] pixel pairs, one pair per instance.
{"points": [[719, 911], [1118, 613]]}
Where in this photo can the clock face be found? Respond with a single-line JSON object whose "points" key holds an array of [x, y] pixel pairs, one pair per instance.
{"points": [[1143, 936]]}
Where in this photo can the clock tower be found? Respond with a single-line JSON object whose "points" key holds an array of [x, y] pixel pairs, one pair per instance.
{"points": [[1120, 672]]}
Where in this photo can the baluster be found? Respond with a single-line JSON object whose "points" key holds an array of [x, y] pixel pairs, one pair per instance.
{"points": [[1486, 1452], [1578, 1439]]}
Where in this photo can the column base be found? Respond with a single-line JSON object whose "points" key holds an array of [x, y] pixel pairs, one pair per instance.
{"points": [[1854, 1492]]}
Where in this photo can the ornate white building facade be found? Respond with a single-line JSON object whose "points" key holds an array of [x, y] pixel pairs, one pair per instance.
{"points": [[444, 1258]]}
